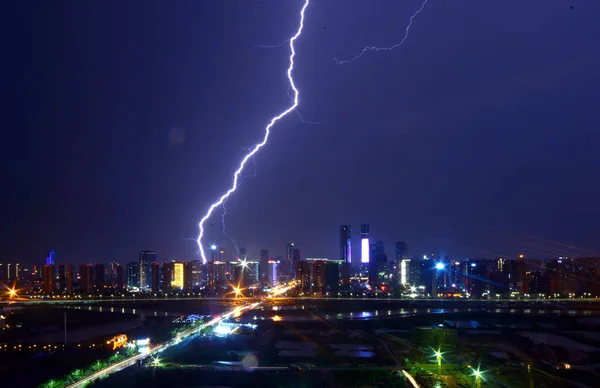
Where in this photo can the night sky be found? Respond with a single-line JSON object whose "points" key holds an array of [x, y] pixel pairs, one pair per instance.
{"points": [[123, 121]]}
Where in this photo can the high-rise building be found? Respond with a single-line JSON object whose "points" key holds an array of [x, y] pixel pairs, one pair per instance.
{"points": [[145, 260], [365, 246], [222, 255], [272, 273], [120, 277], [17, 272], [252, 271], [178, 276], [155, 277], [303, 275], [133, 275], [243, 254], [287, 269], [196, 273], [263, 264], [69, 276], [62, 278], [221, 271], [99, 276], [297, 255], [332, 275], [346, 243], [49, 278], [210, 276], [167, 276], [86, 283], [188, 283]]}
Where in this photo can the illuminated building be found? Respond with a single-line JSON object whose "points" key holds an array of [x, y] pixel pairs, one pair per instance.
{"points": [[303, 275], [364, 243], [405, 271], [17, 272], [346, 243], [145, 260], [50, 258], [220, 273], [210, 269], [133, 275], [251, 274], [287, 269], [272, 271], [196, 272], [222, 254], [178, 276], [8, 278]]}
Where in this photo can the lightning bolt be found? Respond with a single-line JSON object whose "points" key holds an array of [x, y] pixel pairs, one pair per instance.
{"points": [[376, 48], [257, 147], [225, 212]]}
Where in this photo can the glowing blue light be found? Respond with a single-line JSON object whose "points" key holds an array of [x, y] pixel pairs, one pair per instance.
{"points": [[439, 266]]}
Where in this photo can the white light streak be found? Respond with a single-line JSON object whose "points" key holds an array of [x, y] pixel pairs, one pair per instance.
{"points": [[256, 148], [388, 48]]}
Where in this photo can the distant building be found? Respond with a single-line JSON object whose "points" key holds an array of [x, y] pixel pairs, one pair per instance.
{"points": [[62, 279], [303, 275], [178, 276], [86, 283], [167, 276], [272, 273], [133, 275], [263, 264], [346, 243], [69, 276], [120, 278], [146, 258], [49, 277], [155, 277], [99, 276], [365, 245]]}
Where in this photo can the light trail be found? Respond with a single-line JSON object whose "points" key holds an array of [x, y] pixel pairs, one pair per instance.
{"points": [[256, 148], [388, 48]]}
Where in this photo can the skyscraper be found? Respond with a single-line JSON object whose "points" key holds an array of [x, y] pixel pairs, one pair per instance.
{"points": [[346, 243], [146, 258], [167, 276], [49, 277], [99, 276], [155, 277], [133, 275], [69, 276], [178, 276], [62, 278], [119, 277], [364, 243], [243, 254], [86, 283]]}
